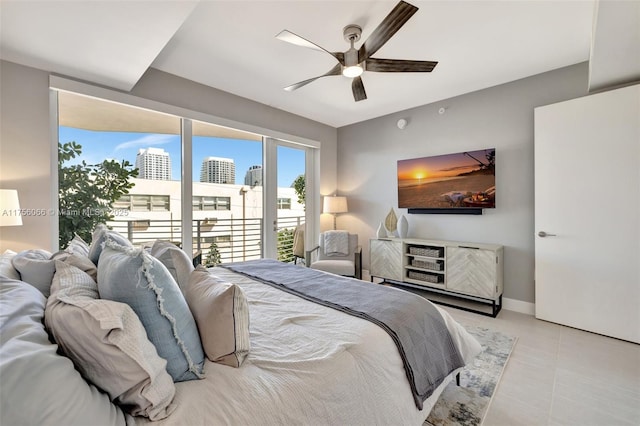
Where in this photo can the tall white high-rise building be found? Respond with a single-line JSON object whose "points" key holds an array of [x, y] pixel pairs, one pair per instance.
{"points": [[153, 163], [218, 170], [253, 177]]}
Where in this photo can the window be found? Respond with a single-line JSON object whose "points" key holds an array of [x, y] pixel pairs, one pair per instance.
{"points": [[209, 203], [225, 171], [143, 203], [130, 138], [284, 203]]}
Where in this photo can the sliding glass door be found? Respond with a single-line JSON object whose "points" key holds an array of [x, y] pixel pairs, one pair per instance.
{"points": [[227, 194], [290, 201], [222, 194]]}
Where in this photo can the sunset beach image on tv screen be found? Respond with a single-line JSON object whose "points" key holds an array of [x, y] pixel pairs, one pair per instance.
{"points": [[461, 180]]}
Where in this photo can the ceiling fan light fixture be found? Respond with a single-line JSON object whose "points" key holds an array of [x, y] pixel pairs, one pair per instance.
{"points": [[352, 71], [354, 62]]}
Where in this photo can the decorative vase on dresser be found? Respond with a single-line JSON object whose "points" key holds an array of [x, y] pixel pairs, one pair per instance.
{"points": [[403, 227]]}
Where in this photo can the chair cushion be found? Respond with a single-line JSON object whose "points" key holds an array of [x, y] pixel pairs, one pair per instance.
{"points": [[338, 267], [135, 277]]}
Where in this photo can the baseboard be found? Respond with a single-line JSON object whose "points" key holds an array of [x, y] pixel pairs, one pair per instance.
{"points": [[518, 306]]}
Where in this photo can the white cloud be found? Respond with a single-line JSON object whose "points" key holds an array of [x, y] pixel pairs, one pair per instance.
{"points": [[146, 141]]}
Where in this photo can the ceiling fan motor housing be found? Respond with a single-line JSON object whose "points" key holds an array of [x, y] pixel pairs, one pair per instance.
{"points": [[352, 32]]}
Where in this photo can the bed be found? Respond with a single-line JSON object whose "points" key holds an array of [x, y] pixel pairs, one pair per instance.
{"points": [[308, 364]]}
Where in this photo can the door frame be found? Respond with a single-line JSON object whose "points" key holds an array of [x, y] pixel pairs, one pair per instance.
{"points": [[270, 194]]}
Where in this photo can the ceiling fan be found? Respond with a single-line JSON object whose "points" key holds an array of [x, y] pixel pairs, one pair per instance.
{"points": [[354, 62]]}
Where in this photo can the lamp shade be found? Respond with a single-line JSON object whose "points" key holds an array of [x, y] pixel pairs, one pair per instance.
{"points": [[9, 208], [335, 205]]}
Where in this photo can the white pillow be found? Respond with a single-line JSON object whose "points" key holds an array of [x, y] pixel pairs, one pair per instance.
{"points": [[6, 267], [36, 268], [221, 312], [176, 261], [79, 261], [39, 386], [108, 345], [78, 246]]}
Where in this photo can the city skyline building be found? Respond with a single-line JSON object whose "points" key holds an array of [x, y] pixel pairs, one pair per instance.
{"points": [[253, 177], [218, 170], [153, 164]]}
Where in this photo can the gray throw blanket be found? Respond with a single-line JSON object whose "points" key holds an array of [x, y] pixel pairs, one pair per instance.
{"points": [[415, 325]]}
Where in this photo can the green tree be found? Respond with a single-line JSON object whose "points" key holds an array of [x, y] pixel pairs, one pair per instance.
{"points": [[86, 192], [298, 186], [213, 256]]}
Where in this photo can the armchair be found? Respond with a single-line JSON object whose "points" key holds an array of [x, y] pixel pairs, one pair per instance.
{"points": [[298, 244], [347, 261]]}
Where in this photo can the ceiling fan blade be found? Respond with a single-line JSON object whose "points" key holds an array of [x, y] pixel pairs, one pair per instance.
{"points": [[399, 65], [292, 38], [337, 70], [358, 89], [387, 28]]}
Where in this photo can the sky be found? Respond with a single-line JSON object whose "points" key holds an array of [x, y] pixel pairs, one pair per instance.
{"points": [[98, 146]]}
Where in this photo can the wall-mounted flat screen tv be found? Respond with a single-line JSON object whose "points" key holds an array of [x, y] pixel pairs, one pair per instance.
{"points": [[460, 181]]}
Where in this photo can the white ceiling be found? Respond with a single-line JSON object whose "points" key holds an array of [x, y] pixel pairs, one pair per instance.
{"points": [[231, 45]]}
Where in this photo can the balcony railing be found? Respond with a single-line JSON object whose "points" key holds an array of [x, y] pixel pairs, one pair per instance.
{"points": [[224, 240]]}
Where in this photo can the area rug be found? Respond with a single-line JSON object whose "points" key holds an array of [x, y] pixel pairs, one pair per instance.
{"points": [[468, 403]]}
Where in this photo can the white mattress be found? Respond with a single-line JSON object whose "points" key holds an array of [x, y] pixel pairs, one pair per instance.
{"points": [[308, 364]]}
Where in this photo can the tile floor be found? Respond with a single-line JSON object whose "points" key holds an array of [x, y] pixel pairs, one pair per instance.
{"points": [[558, 375]]}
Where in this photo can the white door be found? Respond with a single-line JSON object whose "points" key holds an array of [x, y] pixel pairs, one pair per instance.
{"points": [[587, 201]]}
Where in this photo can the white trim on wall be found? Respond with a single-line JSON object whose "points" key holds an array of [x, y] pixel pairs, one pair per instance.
{"points": [[55, 202], [518, 306]]}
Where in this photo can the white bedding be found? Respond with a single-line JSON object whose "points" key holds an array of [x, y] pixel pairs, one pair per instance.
{"points": [[324, 366]]}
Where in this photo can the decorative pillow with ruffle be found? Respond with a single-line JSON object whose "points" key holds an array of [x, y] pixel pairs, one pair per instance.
{"points": [[136, 278]]}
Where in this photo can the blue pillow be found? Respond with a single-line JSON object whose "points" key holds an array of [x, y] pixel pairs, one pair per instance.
{"points": [[98, 238], [134, 277]]}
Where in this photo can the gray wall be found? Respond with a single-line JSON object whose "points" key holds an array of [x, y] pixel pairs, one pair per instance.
{"points": [[500, 117], [26, 148], [25, 153]]}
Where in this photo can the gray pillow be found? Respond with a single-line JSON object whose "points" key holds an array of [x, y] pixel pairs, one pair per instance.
{"points": [[39, 386], [36, 268], [78, 246], [6, 267], [176, 261], [108, 344], [134, 277], [222, 314], [81, 262], [99, 236]]}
